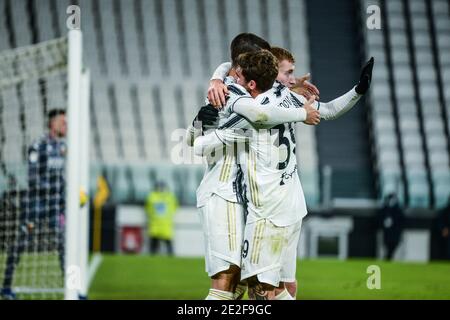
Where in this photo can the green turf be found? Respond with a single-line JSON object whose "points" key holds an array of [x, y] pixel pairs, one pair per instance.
{"points": [[141, 277], [36, 271]]}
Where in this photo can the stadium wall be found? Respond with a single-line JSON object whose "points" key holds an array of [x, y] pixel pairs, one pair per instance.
{"points": [[364, 238]]}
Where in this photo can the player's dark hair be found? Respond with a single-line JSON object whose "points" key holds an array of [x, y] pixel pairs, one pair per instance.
{"points": [[246, 42], [54, 113], [260, 66]]}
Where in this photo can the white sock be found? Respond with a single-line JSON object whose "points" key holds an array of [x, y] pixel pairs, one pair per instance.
{"points": [[215, 294], [283, 295], [240, 291]]}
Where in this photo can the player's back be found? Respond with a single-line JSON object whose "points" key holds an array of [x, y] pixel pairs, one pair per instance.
{"points": [[270, 167], [222, 174]]}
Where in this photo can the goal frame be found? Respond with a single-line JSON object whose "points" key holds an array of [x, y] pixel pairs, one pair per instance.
{"points": [[77, 170]]}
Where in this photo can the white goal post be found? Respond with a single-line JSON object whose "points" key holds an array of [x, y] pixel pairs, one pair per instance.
{"points": [[77, 170], [43, 226]]}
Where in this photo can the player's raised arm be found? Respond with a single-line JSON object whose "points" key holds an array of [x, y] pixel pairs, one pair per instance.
{"points": [[217, 90], [235, 132], [222, 71], [271, 115], [336, 108]]}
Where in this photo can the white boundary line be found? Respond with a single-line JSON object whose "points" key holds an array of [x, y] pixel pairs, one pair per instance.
{"points": [[93, 267], [27, 290]]}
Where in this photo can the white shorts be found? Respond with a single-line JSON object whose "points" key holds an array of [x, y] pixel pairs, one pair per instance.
{"points": [[223, 228], [270, 252]]}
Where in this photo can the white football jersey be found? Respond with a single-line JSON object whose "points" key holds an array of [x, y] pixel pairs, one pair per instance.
{"points": [[222, 175], [269, 164]]}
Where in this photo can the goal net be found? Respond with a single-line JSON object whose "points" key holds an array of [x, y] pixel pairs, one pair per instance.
{"points": [[34, 90]]}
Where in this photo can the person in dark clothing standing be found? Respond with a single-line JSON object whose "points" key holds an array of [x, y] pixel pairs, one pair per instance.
{"points": [[391, 220], [41, 212]]}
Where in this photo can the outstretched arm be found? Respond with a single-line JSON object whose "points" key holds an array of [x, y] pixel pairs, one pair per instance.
{"points": [[267, 115], [218, 139], [336, 108]]}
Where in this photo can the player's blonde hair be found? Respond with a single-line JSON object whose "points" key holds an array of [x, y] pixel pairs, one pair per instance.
{"points": [[282, 54]]}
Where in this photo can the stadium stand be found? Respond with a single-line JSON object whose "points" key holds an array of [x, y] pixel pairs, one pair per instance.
{"points": [[150, 62], [409, 104], [336, 64]]}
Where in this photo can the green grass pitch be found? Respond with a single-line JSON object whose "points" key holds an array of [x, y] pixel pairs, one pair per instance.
{"points": [[143, 277]]}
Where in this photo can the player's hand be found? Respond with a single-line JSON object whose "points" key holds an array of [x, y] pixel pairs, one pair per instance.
{"points": [[305, 88], [365, 78], [445, 232], [207, 115], [217, 93], [312, 114]]}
